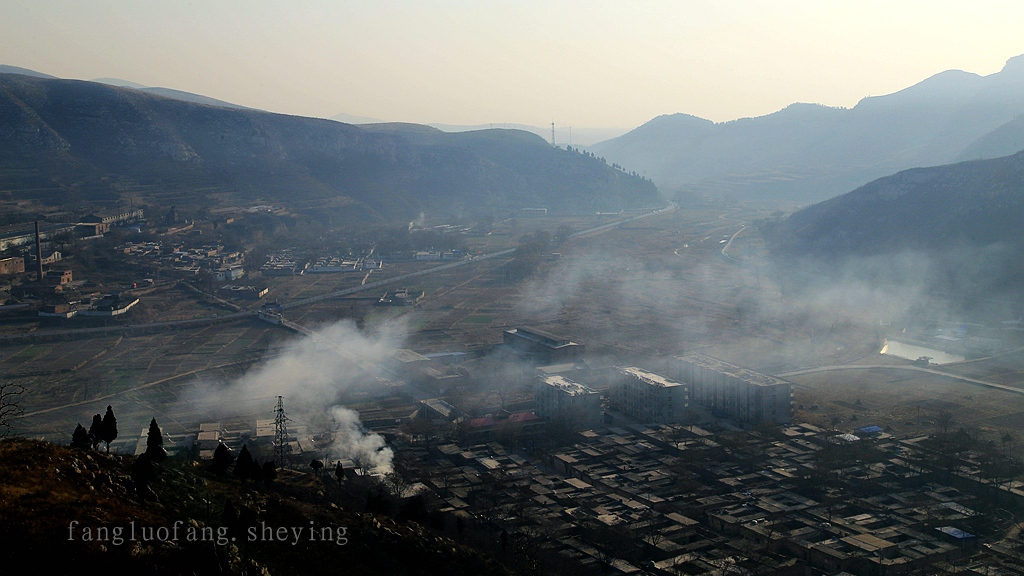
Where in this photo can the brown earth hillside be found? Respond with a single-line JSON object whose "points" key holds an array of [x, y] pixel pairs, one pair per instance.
{"points": [[67, 511]]}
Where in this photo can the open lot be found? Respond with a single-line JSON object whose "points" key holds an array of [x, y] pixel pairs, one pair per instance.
{"points": [[903, 402], [66, 382]]}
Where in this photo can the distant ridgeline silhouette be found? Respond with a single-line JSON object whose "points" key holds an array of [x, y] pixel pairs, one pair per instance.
{"points": [[65, 141], [809, 152], [953, 229]]}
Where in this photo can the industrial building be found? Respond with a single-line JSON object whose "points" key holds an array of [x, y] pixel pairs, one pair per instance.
{"points": [[12, 265], [113, 217], [541, 348], [560, 399], [58, 277], [648, 397], [735, 392], [23, 234]]}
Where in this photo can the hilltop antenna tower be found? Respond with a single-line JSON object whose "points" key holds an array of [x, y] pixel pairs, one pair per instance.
{"points": [[280, 431], [553, 134]]}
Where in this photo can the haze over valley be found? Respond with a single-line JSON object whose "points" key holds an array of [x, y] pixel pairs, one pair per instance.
{"points": [[239, 338]]}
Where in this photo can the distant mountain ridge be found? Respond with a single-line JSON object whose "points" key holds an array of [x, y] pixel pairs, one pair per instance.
{"points": [[809, 152], [5, 69], [977, 202], [170, 93], [956, 227], [67, 141], [166, 92], [565, 135]]}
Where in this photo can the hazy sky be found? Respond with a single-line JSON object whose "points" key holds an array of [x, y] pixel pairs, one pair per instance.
{"points": [[596, 63]]}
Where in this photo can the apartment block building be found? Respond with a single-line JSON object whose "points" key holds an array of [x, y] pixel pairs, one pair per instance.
{"points": [[649, 397], [735, 392], [559, 398]]}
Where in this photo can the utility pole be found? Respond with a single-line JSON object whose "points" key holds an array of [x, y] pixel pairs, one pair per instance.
{"points": [[553, 134]]}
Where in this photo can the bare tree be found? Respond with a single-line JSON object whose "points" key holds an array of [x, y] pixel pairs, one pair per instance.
{"points": [[944, 421], [758, 552], [528, 543], [397, 484], [676, 434], [446, 473], [648, 531]]}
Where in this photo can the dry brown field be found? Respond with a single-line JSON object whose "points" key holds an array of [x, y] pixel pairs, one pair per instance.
{"points": [[636, 294]]}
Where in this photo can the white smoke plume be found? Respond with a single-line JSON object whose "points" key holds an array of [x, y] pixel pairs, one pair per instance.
{"points": [[311, 374], [351, 439]]}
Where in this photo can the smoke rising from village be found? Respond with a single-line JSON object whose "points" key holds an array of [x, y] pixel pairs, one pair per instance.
{"points": [[311, 374], [693, 299]]}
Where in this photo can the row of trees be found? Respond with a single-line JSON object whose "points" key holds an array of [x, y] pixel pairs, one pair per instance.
{"points": [[103, 429], [246, 467]]}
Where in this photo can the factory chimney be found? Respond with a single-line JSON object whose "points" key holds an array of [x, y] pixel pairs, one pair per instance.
{"points": [[39, 256]]}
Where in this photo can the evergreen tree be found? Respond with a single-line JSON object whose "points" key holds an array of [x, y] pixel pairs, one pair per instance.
{"points": [[80, 439], [154, 437], [243, 466], [155, 443], [96, 431], [221, 460], [108, 431], [269, 472], [256, 471]]}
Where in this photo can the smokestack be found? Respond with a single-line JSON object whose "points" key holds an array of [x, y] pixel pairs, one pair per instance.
{"points": [[39, 256]]}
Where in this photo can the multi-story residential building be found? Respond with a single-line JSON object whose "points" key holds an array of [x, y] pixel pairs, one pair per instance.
{"points": [[649, 397], [736, 392], [560, 399]]}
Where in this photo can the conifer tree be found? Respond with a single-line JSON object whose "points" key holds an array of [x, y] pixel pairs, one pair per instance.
{"points": [[96, 431], [317, 466], [243, 466], [256, 471], [221, 460], [155, 443], [80, 439], [269, 472], [108, 431]]}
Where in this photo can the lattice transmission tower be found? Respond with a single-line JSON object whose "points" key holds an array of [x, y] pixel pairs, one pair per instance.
{"points": [[280, 432]]}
